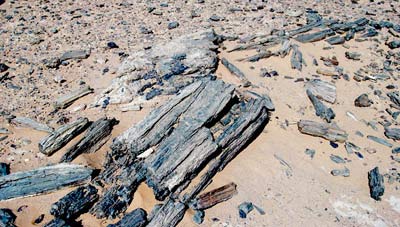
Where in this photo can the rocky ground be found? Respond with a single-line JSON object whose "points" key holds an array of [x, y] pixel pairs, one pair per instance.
{"points": [[49, 49]]}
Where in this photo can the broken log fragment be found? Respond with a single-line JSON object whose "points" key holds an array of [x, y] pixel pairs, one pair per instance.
{"points": [[259, 56], [4, 169], [95, 137], [392, 133], [296, 60], [66, 100], [7, 218], [75, 55], [170, 214], [136, 218], [327, 131], [211, 198], [234, 70], [316, 36], [42, 180], [394, 97], [75, 203], [58, 138], [380, 141], [375, 182], [29, 123], [320, 109], [323, 90]]}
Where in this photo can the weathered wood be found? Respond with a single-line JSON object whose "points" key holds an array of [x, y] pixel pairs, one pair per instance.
{"points": [[75, 203], [95, 137], [296, 60], [7, 218], [136, 218], [313, 37], [27, 122], [75, 55], [66, 100], [170, 214], [270, 40], [375, 182], [327, 131], [211, 198], [394, 97], [323, 90], [259, 56], [234, 70], [320, 109], [305, 28], [380, 141], [392, 133], [58, 138], [42, 180]]}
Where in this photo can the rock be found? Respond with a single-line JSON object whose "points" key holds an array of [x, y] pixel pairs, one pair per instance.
{"points": [[396, 150], [4, 169], [380, 141], [3, 67], [392, 133], [215, 18], [112, 45], [336, 40], [39, 219], [337, 159], [135, 218], [353, 55], [330, 132], [245, 208], [341, 172], [375, 182], [198, 217], [75, 55], [371, 32], [173, 24], [310, 152], [394, 44], [363, 101], [7, 218]]}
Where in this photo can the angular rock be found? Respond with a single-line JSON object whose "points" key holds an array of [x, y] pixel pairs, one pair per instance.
{"points": [[353, 55], [3, 67], [375, 182], [245, 208], [335, 40], [328, 131], [320, 109], [198, 217], [75, 55], [394, 44], [363, 101], [60, 137], [42, 180]]}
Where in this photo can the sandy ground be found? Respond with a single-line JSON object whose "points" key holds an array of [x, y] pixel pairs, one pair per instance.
{"points": [[303, 193]]}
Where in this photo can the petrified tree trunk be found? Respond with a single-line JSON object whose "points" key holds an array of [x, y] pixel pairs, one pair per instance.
{"points": [[66, 100], [170, 214], [62, 136], [136, 218], [211, 198], [42, 180], [96, 136], [328, 131]]}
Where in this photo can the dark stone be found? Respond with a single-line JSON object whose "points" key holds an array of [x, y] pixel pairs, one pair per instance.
{"points": [[136, 218], [198, 217], [215, 18], [112, 45], [4, 169], [394, 44], [333, 144], [363, 101], [371, 32], [7, 218], [3, 67], [173, 24], [396, 150], [375, 183], [245, 208], [39, 219], [336, 40]]}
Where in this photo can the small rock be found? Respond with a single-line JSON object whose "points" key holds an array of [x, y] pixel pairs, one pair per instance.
{"points": [[198, 217], [375, 182], [395, 150], [215, 18], [245, 208], [341, 172], [310, 152], [3, 67], [39, 219], [173, 24], [363, 101], [7, 217], [394, 44], [353, 55], [112, 45]]}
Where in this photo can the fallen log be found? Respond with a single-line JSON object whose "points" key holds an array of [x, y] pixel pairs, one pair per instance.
{"points": [[75, 203], [320, 109], [58, 138], [42, 180], [322, 89], [327, 131], [96, 136], [234, 70], [27, 122], [313, 37], [136, 218], [211, 198], [66, 100]]}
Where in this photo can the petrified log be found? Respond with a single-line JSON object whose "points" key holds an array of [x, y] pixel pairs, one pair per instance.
{"points": [[42, 180], [96, 136], [392, 133], [375, 182], [136, 218], [75, 203], [234, 70], [313, 37], [323, 90], [75, 54], [259, 56], [328, 131], [380, 141], [213, 197], [394, 97], [7, 218], [58, 138], [27, 122], [66, 100], [320, 109], [296, 60], [268, 41], [170, 214]]}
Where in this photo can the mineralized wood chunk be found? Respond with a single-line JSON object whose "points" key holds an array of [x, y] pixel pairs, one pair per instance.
{"points": [[27, 122], [211, 198], [322, 89], [62, 136], [320, 109], [75, 203], [324, 130], [136, 218], [170, 214], [313, 37], [42, 180], [97, 134], [66, 100], [392, 133]]}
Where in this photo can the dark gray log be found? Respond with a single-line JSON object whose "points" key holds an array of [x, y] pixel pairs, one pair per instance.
{"points": [[75, 55], [4, 169], [96, 136], [320, 109], [305, 28], [58, 138], [313, 37], [42, 180], [394, 97], [170, 214], [392, 133], [75, 203], [7, 218], [323, 90], [259, 56], [328, 131], [136, 218], [234, 70], [211, 198], [375, 182]]}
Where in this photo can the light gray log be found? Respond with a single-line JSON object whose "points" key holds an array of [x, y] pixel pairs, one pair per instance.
{"points": [[392, 133], [323, 90], [29, 123], [57, 139], [66, 100], [42, 180], [169, 215], [320, 109], [328, 131]]}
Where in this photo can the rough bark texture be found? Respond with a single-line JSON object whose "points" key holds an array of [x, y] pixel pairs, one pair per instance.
{"points": [[328, 131], [322, 89], [213, 197]]}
